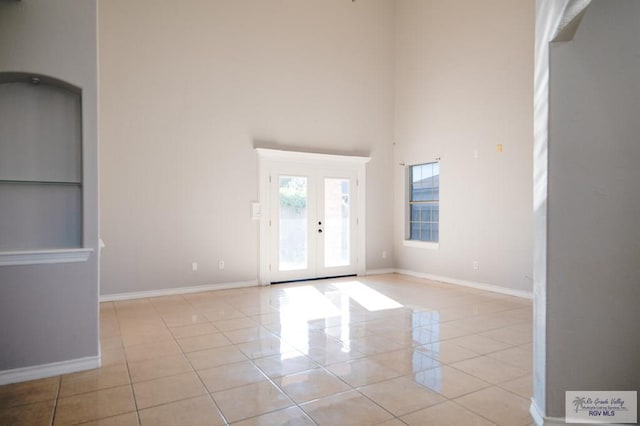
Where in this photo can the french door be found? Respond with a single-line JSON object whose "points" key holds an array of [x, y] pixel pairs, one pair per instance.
{"points": [[312, 221], [313, 224]]}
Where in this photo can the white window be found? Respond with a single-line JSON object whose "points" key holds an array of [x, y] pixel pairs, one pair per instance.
{"points": [[424, 202]]}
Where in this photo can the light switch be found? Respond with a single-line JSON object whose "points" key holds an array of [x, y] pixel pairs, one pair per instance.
{"points": [[499, 147], [256, 211]]}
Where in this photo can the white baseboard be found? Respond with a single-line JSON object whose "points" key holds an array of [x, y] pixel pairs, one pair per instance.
{"points": [[541, 420], [380, 271], [48, 370], [536, 414], [472, 284], [176, 291], [254, 283]]}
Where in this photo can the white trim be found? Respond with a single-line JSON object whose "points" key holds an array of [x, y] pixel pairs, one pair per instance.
{"points": [[383, 271], [264, 240], [536, 414], [175, 291], [280, 155], [49, 370], [540, 420], [37, 257], [421, 244], [482, 286]]}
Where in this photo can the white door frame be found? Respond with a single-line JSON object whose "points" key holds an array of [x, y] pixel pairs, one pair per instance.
{"points": [[268, 159]]}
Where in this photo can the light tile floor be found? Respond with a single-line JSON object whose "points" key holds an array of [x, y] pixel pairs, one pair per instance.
{"points": [[388, 350]]}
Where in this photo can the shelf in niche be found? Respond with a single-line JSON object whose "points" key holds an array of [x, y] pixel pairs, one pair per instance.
{"points": [[38, 257], [39, 182]]}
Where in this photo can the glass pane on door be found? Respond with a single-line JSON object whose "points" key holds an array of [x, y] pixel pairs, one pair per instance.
{"points": [[337, 224], [293, 201]]}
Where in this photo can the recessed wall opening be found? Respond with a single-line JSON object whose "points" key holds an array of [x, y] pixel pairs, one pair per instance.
{"points": [[40, 163]]}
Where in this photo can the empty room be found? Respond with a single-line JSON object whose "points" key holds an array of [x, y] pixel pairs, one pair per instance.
{"points": [[319, 212]]}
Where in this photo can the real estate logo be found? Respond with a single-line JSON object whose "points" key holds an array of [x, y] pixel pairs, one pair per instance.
{"points": [[601, 407]]}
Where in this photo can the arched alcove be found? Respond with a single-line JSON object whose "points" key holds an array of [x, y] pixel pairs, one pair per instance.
{"points": [[40, 163]]}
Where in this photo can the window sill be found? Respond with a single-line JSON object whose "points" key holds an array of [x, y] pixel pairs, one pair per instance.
{"points": [[421, 244], [37, 257]]}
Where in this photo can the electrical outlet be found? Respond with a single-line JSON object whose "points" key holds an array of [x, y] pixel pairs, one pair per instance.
{"points": [[221, 264], [194, 266], [476, 265], [384, 254]]}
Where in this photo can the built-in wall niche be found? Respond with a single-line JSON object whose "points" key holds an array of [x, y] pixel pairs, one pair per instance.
{"points": [[40, 164]]}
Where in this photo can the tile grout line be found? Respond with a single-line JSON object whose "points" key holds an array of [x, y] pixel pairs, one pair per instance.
{"points": [[272, 381], [473, 411], [126, 361], [55, 401], [193, 370]]}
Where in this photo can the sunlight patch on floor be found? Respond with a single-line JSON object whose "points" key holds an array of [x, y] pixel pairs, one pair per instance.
{"points": [[369, 298]]}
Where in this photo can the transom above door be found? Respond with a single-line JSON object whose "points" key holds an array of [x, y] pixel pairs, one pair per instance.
{"points": [[312, 223]]}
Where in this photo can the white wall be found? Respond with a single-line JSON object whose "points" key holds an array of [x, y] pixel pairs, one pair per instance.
{"points": [[593, 251], [464, 82], [49, 313], [190, 87]]}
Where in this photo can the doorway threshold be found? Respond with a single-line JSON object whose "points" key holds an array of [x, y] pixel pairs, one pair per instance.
{"points": [[313, 279]]}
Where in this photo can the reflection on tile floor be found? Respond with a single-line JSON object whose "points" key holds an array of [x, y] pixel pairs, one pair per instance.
{"points": [[386, 349]]}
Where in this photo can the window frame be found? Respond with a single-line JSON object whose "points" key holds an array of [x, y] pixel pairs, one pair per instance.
{"points": [[408, 241]]}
